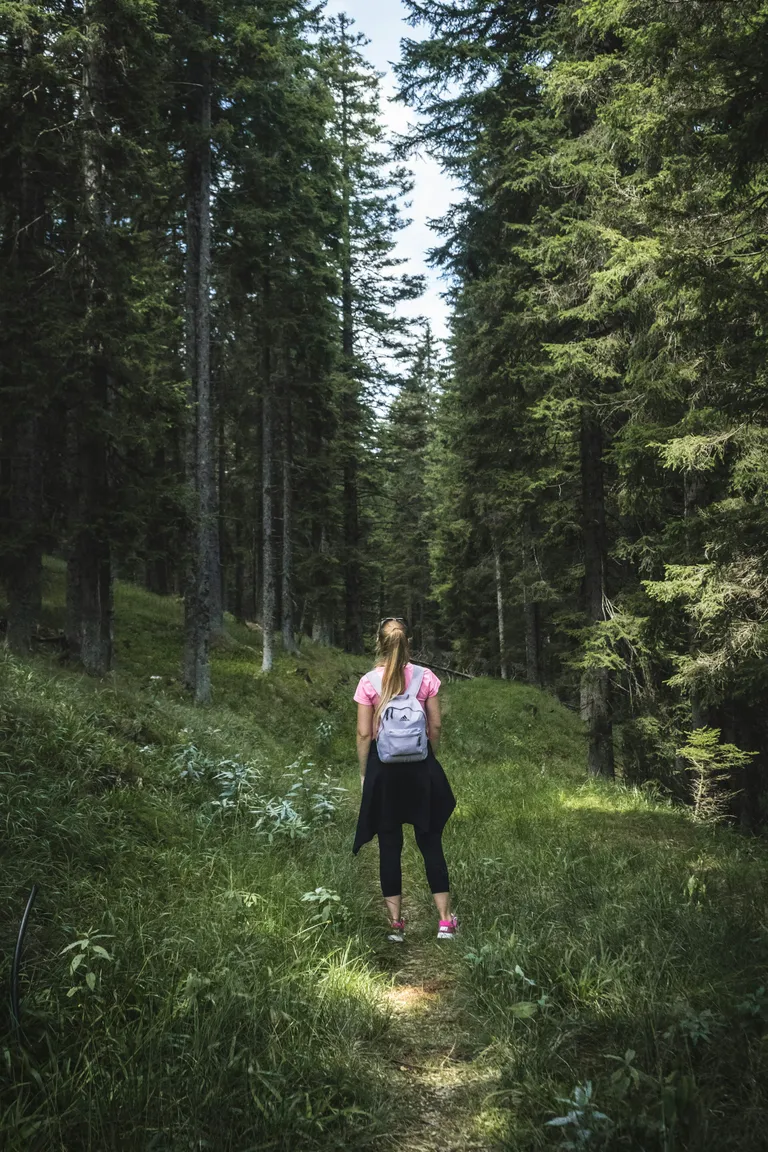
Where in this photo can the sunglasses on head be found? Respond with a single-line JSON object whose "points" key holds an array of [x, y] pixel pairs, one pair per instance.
{"points": [[394, 620]]}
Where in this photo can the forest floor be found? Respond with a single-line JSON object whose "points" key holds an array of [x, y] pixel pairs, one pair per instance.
{"points": [[207, 966], [446, 1082]]}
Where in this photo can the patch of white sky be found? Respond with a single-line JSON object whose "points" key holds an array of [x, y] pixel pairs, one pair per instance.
{"points": [[383, 23]]}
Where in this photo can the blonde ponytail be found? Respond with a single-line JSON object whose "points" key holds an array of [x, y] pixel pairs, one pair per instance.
{"points": [[393, 648]]}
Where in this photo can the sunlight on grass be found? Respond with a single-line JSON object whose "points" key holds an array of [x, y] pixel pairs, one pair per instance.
{"points": [[346, 977], [606, 938], [411, 998], [617, 800]]}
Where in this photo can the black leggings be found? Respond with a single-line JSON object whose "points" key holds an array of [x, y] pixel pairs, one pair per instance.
{"points": [[390, 849]]}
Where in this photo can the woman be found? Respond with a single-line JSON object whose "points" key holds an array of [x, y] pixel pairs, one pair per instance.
{"points": [[394, 794]]}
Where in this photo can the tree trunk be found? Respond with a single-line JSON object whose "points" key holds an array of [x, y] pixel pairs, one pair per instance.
{"points": [[268, 526], [353, 613], [353, 609], [289, 640], [199, 444], [239, 556], [89, 562], [158, 542], [22, 561], [500, 611], [90, 586], [750, 732], [216, 543], [239, 605], [256, 599], [532, 642], [596, 685], [531, 613], [322, 628]]}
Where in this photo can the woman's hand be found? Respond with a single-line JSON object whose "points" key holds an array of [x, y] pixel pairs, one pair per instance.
{"points": [[362, 783]]}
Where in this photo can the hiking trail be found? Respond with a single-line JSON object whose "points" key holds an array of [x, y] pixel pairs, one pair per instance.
{"points": [[446, 1082]]}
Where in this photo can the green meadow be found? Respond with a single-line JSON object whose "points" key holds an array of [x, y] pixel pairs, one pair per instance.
{"points": [[206, 965]]}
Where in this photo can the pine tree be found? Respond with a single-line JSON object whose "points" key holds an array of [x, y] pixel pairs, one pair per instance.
{"points": [[401, 536], [26, 114], [371, 281], [612, 250], [274, 276]]}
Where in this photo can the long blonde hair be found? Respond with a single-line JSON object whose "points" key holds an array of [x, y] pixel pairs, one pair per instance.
{"points": [[393, 647]]}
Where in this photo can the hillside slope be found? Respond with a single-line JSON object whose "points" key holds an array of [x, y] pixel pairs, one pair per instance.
{"points": [[204, 1002]]}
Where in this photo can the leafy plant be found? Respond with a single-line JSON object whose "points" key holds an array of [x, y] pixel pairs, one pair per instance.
{"points": [[85, 961], [328, 904], [277, 818], [236, 782], [318, 801], [192, 764], [583, 1126]]}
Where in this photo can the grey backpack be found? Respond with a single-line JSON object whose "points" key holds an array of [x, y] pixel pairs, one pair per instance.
{"points": [[403, 725]]}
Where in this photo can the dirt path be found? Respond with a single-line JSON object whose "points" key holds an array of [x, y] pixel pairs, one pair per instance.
{"points": [[447, 1082]]}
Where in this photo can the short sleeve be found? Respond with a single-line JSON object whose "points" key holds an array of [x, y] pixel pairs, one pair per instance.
{"points": [[430, 686], [365, 693]]}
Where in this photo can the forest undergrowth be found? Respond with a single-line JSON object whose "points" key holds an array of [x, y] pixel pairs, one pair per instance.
{"points": [[206, 968]]}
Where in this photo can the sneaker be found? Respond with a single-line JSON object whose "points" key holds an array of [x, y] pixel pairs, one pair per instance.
{"points": [[448, 929], [397, 931]]}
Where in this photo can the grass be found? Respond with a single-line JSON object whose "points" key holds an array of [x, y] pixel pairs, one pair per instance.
{"points": [[607, 940]]}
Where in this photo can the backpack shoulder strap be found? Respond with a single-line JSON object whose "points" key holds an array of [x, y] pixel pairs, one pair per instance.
{"points": [[376, 678], [417, 679]]}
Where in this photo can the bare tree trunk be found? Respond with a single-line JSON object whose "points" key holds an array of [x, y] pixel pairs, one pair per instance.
{"points": [[267, 505], [532, 642], [239, 604], [353, 629], [289, 640], [531, 613], [22, 563], [90, 597], [322, 629], [239, 557], [216, 542], [256, 599], [500, 610], [158, 543], [199, 445], [596, 685]]}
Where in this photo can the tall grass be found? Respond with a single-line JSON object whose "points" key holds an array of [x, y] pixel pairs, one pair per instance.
{"points": [[608, 941], [206, 1005], [205, 966]]}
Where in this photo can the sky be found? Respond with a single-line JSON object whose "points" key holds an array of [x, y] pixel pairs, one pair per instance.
{"points": [[382, 22]]}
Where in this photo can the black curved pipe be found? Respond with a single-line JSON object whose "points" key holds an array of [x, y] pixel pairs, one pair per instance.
{"points": [[17, 957]]}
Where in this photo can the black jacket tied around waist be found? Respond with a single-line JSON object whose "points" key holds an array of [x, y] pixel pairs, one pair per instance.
{"points": [[394, 794]]}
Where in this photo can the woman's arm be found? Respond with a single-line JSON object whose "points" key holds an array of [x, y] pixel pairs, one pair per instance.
{"points": [[364, 736], [434, 722]]}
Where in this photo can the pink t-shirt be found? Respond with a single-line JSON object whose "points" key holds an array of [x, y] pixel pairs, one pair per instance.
{"points": [[430, 686]]}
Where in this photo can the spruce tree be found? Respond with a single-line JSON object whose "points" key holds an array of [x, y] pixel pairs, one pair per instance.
{"points": [[372, 281]]}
